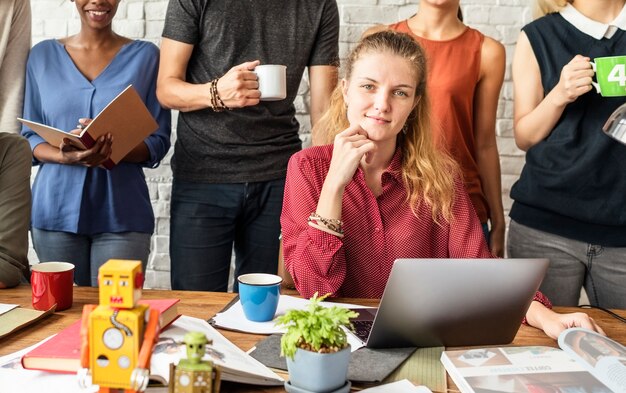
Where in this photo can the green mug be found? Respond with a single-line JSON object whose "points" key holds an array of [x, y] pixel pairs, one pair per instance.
{"points": [[611, 75]]}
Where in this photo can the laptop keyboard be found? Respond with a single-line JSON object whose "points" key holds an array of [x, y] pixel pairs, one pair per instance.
{"points": [[362, 329]]}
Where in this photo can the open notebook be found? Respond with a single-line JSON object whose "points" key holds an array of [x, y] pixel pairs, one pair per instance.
{"points": [[125, 117]]}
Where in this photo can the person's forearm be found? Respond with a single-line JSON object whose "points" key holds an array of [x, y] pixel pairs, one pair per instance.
{"points": [[489, 171], [330, 202], [538, 124], [176, 94], [45, 152], [322, 81], [537, 314]]}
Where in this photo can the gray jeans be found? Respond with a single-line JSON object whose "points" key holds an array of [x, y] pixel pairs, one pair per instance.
{"points": [[573, 264]]}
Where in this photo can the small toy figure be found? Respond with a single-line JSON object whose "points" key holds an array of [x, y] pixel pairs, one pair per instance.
{"points": [[194, 375], [118, 335]]}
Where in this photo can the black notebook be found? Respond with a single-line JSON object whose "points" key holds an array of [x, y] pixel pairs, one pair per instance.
{"points": [[366, 364]]}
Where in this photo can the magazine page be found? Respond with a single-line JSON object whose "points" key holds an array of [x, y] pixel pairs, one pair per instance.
{"points": [[603, 357], [530, 369], [236, 365]]}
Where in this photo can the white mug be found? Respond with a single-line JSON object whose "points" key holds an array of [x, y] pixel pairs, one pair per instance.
{"points": [[272, 81]]}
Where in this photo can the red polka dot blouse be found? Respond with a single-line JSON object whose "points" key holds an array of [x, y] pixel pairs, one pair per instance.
{"points": [[377, 230]]}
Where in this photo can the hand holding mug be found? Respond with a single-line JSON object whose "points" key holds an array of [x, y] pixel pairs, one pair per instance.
{"points": [[272, 81], [350, 146], [575, 79], [239, 86]]}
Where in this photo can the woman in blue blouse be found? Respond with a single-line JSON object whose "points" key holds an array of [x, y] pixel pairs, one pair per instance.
{"points": [[83, 213]]}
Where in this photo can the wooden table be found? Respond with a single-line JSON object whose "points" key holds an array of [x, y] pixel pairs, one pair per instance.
{"points": [[206, 304]]}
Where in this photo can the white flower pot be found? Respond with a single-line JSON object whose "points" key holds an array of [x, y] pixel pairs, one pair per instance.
{"points": [[319, 372]]}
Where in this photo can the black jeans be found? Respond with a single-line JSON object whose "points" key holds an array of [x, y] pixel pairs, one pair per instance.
{"points": [[206, 219]]}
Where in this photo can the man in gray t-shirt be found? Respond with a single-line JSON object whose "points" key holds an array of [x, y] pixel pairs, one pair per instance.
{"points": [[229, 165]]}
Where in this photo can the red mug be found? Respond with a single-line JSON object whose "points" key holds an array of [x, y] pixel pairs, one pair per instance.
{"points": [[52, 283]]}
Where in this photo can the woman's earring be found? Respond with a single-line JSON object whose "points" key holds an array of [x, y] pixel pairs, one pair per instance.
{"points": [[405, 128]]}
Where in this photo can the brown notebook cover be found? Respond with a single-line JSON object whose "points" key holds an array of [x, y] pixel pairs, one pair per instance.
{"points": [[19, 317], [126, 118]]}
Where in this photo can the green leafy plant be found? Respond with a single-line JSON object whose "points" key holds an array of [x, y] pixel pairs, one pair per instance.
{"points": [[316, 329]]}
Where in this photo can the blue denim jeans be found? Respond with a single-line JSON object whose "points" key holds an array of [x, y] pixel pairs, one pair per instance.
{"points": [[88, 253], [573, 264], [207, 219]]}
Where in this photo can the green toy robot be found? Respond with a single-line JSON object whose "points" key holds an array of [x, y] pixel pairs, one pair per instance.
{"points": [[194, 375]]}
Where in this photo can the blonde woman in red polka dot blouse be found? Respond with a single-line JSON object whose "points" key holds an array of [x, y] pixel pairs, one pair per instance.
{"points": [[381, 191]]}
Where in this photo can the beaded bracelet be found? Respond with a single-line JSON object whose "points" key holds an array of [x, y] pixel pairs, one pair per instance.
{"points": [[333, 224], [324, 229], [212, 91], [216, 101]]}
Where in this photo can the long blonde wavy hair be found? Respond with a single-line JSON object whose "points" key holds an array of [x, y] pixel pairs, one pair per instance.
{"points": [[427, 172]]}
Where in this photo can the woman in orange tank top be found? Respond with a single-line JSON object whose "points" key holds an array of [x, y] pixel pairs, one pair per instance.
{"points": [[466, 70]]}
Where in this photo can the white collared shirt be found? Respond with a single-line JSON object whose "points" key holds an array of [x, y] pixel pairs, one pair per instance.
{"points": [[597, 30]]}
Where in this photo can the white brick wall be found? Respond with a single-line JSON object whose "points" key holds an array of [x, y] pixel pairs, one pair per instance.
{"points": [[143, 19]]}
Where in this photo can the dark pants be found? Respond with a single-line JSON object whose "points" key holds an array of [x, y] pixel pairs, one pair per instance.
{"points": [[205, 221]]}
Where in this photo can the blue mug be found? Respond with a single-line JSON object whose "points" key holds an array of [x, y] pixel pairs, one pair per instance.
{"points": [[259, 293]]}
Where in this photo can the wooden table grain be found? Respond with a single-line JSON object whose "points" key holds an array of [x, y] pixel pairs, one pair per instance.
{"points": [[205, 304]]}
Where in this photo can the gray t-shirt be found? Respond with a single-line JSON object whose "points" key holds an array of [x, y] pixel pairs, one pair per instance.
{"points": [[252, 143]]}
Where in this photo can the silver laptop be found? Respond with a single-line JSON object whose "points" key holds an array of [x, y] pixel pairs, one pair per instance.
{"points": [[451, 302]]}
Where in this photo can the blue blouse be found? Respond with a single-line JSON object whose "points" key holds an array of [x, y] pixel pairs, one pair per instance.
{"points": [[74, 198]]}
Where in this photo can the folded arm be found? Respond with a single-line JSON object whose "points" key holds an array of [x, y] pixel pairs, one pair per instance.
{"points": [[315, 259]]}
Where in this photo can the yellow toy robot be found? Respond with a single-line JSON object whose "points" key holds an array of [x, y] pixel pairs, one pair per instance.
{"points": [[118, 335]]}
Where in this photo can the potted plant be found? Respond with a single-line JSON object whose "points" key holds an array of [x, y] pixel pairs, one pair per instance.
{"points": [[316, 347]]}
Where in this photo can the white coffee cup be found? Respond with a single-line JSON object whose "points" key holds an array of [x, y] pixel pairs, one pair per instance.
{"points": [[272, 81]]}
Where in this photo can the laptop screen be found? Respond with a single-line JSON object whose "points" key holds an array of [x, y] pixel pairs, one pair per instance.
{"points": [[454, 302]]}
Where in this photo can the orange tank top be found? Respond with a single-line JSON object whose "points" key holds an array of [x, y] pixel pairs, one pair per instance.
{"points": [[453, 73]]}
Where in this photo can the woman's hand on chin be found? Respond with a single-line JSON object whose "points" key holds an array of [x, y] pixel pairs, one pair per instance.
{"points": [[349, 148]]}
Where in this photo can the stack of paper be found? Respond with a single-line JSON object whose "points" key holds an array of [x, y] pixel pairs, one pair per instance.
{"points": [[233, 318]]}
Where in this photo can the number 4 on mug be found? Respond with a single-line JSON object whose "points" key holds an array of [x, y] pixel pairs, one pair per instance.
{"points": [[618, 74]]}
